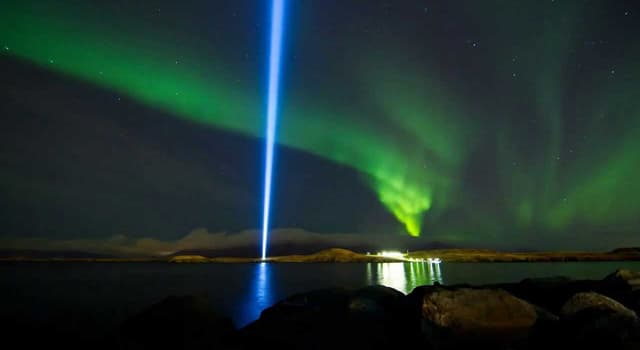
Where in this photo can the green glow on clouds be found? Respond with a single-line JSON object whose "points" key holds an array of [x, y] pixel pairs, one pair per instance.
{"points": [[417, 133], [197, 91]]}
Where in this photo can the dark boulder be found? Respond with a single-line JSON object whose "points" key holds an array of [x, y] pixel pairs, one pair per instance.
{"points": [[626, 278], [593, 320], [453, 318], [552, 293], [590, 301], [549, 293], [375, 302], [177, 322], [634, 303], [382, 316], [371, 317], [624, 286], [303, 321]]}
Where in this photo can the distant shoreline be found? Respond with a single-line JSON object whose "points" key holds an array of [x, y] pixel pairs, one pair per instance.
{"points": [[337, 255]]}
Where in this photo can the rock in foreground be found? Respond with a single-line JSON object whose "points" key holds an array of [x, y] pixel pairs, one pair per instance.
{"points": [[177, 322], [626, 277], [371, 317], [475, 316], [596, 321], [551, 313]]}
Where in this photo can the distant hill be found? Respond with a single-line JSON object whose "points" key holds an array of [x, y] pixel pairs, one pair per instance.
{"points": [[485, 255], [46, 254], [297, 249], [244, 251], [630, 250], [332, 255], [189, 259]]}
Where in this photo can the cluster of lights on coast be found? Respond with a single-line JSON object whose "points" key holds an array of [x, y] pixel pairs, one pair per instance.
{"points": [[403, 257]]}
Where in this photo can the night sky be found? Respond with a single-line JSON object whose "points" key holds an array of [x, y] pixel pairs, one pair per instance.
{"points": [[139, 125]]}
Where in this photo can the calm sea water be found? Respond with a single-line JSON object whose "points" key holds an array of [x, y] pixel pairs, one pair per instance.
{"points": [[101, 295]]}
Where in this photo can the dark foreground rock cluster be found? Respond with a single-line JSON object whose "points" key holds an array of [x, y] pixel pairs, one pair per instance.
{"points": [[550, 313]]}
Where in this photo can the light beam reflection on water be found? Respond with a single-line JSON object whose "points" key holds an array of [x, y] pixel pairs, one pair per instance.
{"points": [[260, 294]]}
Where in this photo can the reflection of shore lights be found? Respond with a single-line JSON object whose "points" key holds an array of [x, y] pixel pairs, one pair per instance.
{"points": [[404, 276], [392, 275]]}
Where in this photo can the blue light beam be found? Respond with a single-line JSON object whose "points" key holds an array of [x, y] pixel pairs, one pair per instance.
{"points": [[277, 14]]}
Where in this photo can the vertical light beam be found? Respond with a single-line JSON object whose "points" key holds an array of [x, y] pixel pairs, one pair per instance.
{"points": [[277, 14]]}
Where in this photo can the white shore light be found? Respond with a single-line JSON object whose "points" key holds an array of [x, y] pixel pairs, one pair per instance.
{"points": [[391, 254], [434, 260]]}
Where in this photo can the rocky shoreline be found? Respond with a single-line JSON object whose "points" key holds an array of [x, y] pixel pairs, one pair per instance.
{"points": [[549, 313]]}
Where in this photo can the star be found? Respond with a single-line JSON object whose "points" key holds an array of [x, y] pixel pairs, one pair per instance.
{"points": [[6, 48], [613, 71], [626, 13], [514, 75]]}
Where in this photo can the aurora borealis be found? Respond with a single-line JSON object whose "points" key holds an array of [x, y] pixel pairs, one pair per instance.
{"points": [[510, 124]]}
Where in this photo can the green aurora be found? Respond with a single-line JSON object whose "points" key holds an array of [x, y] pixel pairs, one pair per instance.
{"points": [[417, 132]]}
